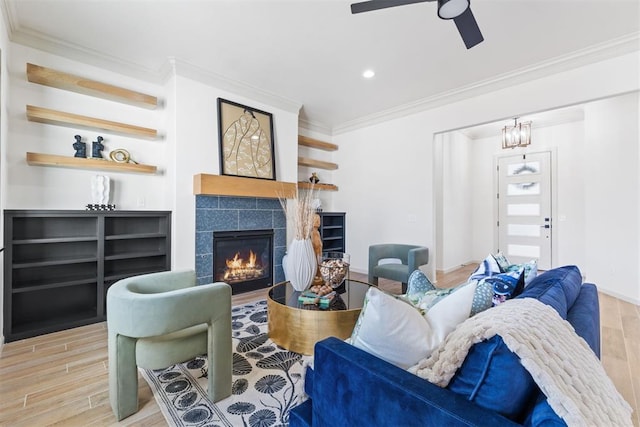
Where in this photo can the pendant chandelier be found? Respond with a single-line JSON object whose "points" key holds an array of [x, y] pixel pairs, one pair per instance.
{"points": [[518, 135]]}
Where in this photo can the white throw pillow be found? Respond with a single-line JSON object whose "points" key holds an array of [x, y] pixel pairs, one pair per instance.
{"points": [[449, 313], [396, 331]]}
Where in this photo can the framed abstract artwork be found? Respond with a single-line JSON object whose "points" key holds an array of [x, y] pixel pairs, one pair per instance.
{"points": [[246, 141]]}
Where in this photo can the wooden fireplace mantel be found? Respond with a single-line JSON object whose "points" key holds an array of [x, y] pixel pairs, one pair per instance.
{"points": [[224, 185]]}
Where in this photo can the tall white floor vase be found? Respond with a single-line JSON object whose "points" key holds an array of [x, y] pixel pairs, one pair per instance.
{"points": [[301, 264]]}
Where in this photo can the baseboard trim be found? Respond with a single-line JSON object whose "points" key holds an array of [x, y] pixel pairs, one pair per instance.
{"points": [[619, 296], [456, 267]]}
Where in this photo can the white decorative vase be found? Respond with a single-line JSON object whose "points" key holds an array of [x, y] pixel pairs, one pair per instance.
{"points": [[100, 188], [300, 267]]}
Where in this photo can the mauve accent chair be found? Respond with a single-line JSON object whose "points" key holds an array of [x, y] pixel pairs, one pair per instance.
{"points": [[411, 258], [160, 319]]}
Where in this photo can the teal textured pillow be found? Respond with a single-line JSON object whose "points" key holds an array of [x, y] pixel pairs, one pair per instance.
{"points": [[418, 285], [482, 298]]}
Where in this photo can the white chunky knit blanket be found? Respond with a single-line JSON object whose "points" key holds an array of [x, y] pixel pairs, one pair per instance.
{"points": [[561, 363]]}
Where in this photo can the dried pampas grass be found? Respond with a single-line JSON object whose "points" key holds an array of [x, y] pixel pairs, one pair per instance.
{"points": [[300, 212]]}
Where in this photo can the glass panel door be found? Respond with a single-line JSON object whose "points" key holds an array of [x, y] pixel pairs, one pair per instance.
{"points": [[524, 208]]}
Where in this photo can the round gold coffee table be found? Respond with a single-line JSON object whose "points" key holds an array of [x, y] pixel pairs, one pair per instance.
{"points": [[299, 327]]}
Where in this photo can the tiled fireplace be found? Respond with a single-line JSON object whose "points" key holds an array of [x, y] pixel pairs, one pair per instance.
{"points": [[228, 214], [243, 259]]}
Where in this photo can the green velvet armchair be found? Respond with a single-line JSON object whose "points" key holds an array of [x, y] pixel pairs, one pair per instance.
{"points": [[160, 319], [410, 256]]}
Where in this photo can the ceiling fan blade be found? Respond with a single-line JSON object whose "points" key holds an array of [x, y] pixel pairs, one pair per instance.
{"points": [[367, 6], [468, 28]]}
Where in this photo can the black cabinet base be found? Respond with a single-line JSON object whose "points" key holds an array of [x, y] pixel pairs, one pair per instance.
{"points": [[58, 265]]}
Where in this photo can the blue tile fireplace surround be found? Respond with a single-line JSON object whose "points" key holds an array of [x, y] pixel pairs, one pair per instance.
{"points": [[224, 213]]}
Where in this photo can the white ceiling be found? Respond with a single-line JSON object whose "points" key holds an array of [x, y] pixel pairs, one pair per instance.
{"points": [[312, 53]]}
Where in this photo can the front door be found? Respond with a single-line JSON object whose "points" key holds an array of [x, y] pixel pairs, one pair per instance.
{"points": [[524, 208]]}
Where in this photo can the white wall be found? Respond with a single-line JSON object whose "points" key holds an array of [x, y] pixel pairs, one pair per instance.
{"points": [[457, 209], [611, 199], [386, 186], [386, 169], [196, 151], [35, 187]]}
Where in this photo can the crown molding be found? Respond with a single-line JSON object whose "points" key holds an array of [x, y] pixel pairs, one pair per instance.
{"points": [[193, 72], [599, 52], [313, 126], [36, 40], [9, 14], [159, 76]]}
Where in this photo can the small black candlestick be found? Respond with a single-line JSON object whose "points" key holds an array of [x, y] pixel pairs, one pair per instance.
{"points": [[97, 147], [80, 147]]}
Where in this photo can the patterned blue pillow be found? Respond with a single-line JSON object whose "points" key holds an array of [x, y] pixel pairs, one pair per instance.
{"points": [[424, 295], [502, 261], [506, 285], [530, 270], [487, 268]]}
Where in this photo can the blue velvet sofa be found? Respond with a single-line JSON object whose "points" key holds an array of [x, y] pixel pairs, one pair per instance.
{"points": [[349, 387]]}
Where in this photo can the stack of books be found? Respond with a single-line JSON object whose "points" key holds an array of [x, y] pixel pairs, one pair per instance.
{"points": [[311, 298]]}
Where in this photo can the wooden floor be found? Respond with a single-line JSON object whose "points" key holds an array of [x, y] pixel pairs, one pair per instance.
{"points": [[61, 378]]}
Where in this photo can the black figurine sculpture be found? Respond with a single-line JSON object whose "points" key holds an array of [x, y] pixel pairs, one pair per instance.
{"points": [[80, 147], [97, 147]]}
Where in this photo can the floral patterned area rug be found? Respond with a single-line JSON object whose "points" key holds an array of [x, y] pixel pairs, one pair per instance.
{"points": [[267, 380]]}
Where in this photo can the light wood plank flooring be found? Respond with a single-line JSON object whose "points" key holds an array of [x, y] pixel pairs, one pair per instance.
{"points": [[61, 378]]}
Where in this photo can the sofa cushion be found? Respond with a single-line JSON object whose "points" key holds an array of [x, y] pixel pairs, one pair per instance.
{"points": [[491, 375], [558, 288], [301, 415], [542, 415], [397, 332]]}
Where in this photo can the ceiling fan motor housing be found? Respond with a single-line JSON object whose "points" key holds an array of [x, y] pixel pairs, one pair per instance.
{"points": [[449, 9]]}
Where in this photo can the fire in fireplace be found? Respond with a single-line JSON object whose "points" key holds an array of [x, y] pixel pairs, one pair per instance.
{"points": [[243, 259]]}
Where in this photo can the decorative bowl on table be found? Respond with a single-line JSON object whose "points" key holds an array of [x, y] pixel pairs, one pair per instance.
{"points": [[334, 267]]}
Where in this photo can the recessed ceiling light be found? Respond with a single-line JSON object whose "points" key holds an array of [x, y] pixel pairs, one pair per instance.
{"points": [[368, 74]]}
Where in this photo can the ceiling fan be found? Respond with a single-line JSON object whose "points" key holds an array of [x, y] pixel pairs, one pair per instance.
{"points": [[458, 10]]}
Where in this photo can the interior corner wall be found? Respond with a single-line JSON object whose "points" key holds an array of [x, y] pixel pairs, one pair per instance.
{"points": [[386, 168], [325, 176], [197, 151]]}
